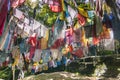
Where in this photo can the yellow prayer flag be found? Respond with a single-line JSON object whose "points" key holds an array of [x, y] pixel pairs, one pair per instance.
{"points": [[82, 12], [63, 5], [77, 25]]}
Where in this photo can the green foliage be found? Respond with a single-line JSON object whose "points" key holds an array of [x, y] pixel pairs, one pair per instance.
{"points": [[105, 52], [46, 15], [32, 4], [4, 72], [43, 15]]}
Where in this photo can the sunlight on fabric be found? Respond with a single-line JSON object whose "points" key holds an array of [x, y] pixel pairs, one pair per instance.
{"points": [[33, 0]]}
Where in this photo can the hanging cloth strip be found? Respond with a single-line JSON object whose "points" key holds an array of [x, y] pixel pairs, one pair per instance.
{"points": [[58, 43], [105, 34], [23, 46], [82, 12], [15, 3], [44, 43], [69, 34], [1, 4], [37, 55], [72, 12], [118, 3], [44, 40], [33, 43], [58, 28], [81, 19], [76, 35], [107, 20], [3, 16], [3, 41], [16, 55], [55, 6], [78, 53], [7, 42], [98, 10], [97, 28], [109, 43], [83, 39]]}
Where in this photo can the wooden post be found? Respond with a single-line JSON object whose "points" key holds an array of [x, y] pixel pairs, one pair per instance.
{"points": [[13, 71]]}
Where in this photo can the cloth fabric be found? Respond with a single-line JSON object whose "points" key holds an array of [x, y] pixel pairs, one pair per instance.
{"points": [[90, 14], [32, 52], [37, 55], [92, 50], [16, 55], [96, 40], [27, 29], [1, 3], [58, 26], [109, 43], [58, 43], [51, 38], [69, 34], [105, 34], [7, 41], [89, 31], [9, 5], [63, 5], [47, 35], [18, 40], [106, 8], [69, 39], [43, 31], [3, 57], [44, 43], [15, 3], [38, 44], [62, 15], [118, 3], [46, 55], [82, 12], [23, 46], [85, 51], [72, 12], [55, 6], [33, 43], [83, 39], [98, 26], [64, 60], [54, 53], [76, 26], [76, 35], [78, 53], [68, 17], [62, 32], [107, 20], [99, 10], [81, 19], [3, 16], [3, 41], [18, 14], [91, 3]]}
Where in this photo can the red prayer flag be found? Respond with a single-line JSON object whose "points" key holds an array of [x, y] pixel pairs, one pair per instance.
{"points": [[78, 53], [95, 40], [81, 19]]}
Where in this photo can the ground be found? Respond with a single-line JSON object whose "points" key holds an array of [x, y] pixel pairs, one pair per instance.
{"points": [[64, 76]]}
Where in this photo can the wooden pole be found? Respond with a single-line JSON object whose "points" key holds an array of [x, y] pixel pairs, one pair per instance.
{"points": [[13, 72]]}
